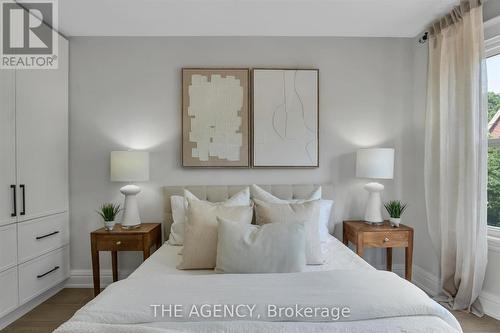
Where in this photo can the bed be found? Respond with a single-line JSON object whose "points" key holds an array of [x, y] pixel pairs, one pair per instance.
{"points": [[377, 301]]}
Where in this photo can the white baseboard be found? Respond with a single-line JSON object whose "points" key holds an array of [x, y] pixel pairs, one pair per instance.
{"points": [[27, 307], [420, 277], [426, 281], [83, 278], [491, 304]]}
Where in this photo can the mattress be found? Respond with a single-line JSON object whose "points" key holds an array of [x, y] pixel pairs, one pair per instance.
{"points": [[167, 257]]}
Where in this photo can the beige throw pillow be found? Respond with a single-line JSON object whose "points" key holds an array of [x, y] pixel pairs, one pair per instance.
{"points": [[179, 207], [306, 213], [200, 231]]}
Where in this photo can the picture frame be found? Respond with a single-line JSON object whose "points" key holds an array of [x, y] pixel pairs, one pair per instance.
{"points": [[216, 118], [285, 118]]}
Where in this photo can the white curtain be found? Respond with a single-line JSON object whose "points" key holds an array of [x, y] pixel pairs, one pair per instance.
{"points": [[456, 153]]}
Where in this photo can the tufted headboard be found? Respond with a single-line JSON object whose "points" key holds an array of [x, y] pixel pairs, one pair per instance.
{"points": [[215, 193]]}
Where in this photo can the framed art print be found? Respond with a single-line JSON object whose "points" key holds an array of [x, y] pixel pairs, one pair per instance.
{"points": [[285, 118], [215, 117]]}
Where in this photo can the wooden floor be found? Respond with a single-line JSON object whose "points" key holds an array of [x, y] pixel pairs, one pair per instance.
{"points": [[50, 314]]}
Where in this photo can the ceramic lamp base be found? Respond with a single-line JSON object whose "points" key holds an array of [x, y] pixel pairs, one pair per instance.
{"points": [[130, 219], [373, 214]]}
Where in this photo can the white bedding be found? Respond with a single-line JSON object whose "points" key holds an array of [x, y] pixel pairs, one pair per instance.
{"points": [[166, 259], [379, 301]]}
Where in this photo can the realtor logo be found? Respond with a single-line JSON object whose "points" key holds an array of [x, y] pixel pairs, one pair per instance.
{"points": [[28, 34]]}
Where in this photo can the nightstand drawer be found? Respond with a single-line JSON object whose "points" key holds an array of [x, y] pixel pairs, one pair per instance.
{"points": [[386, 239], [121, 243]]}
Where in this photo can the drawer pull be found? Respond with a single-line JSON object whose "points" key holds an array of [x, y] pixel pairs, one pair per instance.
{"points": [[14, 210], [23, 192], [118, 243], [386, 240], [52, 270], [47, 235]]}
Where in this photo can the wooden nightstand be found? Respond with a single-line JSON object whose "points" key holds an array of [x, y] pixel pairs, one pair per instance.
{"points": [[118, 239], [381, 236]]}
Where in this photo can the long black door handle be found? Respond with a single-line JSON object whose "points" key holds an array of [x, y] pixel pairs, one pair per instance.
{"points": [[52, 270], [47, 235], [14, 211], [23, 190]]}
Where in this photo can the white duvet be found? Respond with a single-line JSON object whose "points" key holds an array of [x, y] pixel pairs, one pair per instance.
{"points": [[378, 302]]}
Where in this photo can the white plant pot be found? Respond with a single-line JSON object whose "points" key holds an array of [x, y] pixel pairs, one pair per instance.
{"points": [[109, 225], [395, 222]]}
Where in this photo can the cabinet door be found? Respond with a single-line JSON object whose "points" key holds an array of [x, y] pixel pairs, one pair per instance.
{"points": [[42, 139], [7, 146]]}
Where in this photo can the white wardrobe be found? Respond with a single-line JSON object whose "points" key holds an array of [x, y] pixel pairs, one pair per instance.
{"points": [[34, 226]]}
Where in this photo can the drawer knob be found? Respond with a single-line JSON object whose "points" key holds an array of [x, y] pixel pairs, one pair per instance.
{"points": [[118, 243], [386, 240]]}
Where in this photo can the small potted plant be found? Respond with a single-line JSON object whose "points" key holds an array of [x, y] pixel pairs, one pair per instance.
{"points": [[395, 208], [108, 212]]}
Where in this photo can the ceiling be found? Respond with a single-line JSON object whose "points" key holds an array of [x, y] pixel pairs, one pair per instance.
{"points": [[360, 18]]}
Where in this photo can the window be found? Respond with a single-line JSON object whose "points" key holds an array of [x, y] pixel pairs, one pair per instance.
{"points": [[493, 68]]}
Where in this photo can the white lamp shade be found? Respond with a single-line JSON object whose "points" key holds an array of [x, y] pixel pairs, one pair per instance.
{"points": [[375, 163], [129, 166]]}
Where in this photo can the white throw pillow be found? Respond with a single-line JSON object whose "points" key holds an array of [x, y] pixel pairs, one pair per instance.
{"points": [[200, 231], [306, 213], [179, 206], [325, 209], [271, 248]]}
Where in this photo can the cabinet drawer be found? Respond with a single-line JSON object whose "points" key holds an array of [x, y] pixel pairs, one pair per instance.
{"points": [[121, 243], [42, 273], [386, 239], [36, 237], [8, 291], [8, 246]]}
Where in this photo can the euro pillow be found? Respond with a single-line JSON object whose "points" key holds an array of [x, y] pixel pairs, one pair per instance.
{"points": [[325, 210], [306, 213], [200, 231], [271, 248], [179, 206]]}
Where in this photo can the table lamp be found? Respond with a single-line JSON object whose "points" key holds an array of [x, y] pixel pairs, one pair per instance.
{"points": [[374, 163], [130, 166]]}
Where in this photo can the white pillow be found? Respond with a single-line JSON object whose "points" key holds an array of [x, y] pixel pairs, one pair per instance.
{"points": [[261, 194], [179, 207], [271, 248], [306, 213], [178, 215], [325, 209], [200, 231]]}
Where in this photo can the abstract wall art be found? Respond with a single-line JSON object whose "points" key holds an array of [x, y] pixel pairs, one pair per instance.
{"points": [[215, 118], [285, 118]]}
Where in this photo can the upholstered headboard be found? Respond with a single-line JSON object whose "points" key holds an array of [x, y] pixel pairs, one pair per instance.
{"points": [[215, 193]]}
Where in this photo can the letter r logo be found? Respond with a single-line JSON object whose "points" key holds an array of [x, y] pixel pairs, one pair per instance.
{"points": [[24, 30]]}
